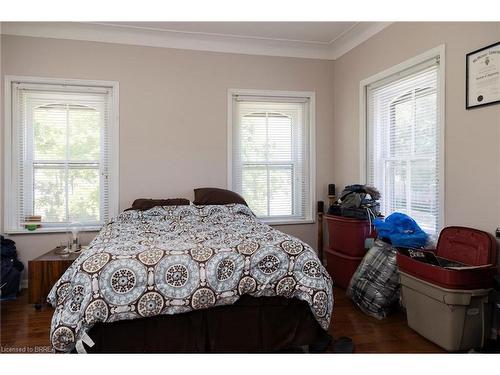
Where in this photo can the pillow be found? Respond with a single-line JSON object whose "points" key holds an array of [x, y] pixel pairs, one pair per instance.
{"points": [[204, 196], [143, 204]]}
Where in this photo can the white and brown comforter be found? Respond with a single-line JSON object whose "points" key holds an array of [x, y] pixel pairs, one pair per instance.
{"points": [[175, 259]]}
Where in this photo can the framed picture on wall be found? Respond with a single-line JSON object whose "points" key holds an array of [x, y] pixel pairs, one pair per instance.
{"points": [[483, 77]]}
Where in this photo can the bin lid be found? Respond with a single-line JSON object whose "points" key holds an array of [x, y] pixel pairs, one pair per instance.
{"points": [[467, 245], [345, 219]]}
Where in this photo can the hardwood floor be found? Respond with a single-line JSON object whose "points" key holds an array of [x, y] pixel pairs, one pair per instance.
{"points": [[23, 327], [27, 330], [370, 335]]}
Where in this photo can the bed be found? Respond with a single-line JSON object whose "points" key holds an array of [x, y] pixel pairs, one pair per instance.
{"points": [[209, 278]]}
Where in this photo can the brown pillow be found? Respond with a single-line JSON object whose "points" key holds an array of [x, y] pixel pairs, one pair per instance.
{"points": [[142, 204], [204, 196]]}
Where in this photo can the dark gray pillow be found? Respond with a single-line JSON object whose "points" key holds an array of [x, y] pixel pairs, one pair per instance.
{"points": [[207, 196], [143, 204]]}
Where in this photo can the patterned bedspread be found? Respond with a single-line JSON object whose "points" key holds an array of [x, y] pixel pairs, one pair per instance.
{"points": [[175, 259]]}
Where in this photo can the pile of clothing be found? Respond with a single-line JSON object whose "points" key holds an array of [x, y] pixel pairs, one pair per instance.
{"points": [[11, 270], [357, 201]]}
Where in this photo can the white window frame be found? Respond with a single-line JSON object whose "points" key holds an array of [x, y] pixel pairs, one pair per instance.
{"points": [[231, 93], [437, 52], [11, 226]]}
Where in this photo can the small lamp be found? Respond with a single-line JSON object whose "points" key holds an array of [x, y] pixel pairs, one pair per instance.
{"points": [[74, 243]]}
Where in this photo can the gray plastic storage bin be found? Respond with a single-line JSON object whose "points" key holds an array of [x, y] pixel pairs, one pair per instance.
{"points": [[453, 319]]}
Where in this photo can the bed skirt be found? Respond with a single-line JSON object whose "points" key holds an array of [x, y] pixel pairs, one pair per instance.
{"points": [[251, 325]]}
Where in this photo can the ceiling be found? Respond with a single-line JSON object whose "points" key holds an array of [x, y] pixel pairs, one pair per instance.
{"points": [[318, 40]]}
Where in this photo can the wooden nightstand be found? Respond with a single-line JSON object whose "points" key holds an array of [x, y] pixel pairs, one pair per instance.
{"points": [[43, 272]]}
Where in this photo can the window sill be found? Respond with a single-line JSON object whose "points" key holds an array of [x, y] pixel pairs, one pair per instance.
{"points": [[96, 228], [93, 228]]}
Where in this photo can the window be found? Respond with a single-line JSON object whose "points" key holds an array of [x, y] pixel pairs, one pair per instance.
{"points": [[404, 141], [271, 154], [62, 151]]}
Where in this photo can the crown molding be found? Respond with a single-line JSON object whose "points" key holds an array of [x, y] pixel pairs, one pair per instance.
{"points": [[361, 32], [112, 33]]}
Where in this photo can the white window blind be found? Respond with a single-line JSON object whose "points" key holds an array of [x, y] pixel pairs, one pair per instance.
{"points": [[60, 155], [271, 156], [403, 148]]}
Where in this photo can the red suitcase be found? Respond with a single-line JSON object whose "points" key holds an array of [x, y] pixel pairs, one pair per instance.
{"points": [[465, 245]]}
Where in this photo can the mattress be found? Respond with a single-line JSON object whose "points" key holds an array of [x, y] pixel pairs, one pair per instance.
{"points": [[176, 259]]}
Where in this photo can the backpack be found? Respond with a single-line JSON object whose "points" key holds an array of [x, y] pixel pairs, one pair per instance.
{"points": [[10, 271]]}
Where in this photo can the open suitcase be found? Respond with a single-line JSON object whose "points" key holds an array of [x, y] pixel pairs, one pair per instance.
{"points": [[449, 306], [469, 246]]}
